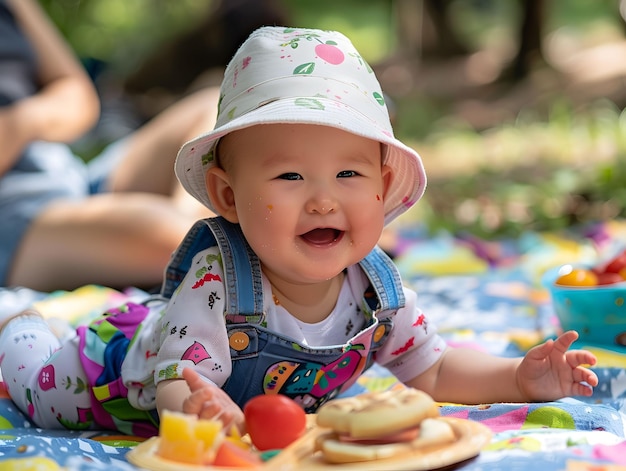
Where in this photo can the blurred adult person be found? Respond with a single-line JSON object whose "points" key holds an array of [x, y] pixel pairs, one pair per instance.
{"points": [[114, 221]]}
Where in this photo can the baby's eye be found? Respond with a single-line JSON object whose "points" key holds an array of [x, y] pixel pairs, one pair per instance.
{"points": [[290, 176], [347, 174]]}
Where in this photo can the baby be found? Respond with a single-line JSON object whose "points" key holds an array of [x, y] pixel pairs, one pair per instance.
{"points": [[286, 291]]}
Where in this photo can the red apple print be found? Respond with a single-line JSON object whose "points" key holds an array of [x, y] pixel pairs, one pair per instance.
{"points": [[330, 53], [46, 378]]}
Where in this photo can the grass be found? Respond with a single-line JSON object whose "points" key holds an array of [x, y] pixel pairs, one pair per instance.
{"points": [[526, 175]]}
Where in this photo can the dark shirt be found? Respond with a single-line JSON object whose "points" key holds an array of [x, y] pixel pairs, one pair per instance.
{"points": [[18, 77]]}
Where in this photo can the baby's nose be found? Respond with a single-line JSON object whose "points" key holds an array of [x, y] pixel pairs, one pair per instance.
{"points": [[321, 205]]}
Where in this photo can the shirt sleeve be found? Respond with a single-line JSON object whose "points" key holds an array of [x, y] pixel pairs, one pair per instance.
{"points": [[193, 332], [413, 345]]}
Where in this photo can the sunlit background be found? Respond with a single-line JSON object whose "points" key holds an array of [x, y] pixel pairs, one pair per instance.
{"points": [[512, 141]]}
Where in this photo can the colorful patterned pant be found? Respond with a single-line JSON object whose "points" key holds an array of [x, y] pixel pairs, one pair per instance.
{"points": [[44, 377]]}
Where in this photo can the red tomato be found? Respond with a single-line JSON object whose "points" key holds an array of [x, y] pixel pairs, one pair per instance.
{"points": [[273, 421], [578, 277], [609, 278], [231, 455], [616, 264]]}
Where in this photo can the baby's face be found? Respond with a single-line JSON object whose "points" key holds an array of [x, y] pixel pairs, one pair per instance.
{"points": [[309, 198]]}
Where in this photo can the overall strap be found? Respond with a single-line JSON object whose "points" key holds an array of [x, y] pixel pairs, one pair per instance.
{"points": [[242, 269], [385, 279]]}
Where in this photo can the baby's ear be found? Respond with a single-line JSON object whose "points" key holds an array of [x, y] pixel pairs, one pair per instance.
{"points": [[387, 173], [221, 194]]}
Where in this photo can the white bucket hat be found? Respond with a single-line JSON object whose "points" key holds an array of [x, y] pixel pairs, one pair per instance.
{"points": [[307, 76]]}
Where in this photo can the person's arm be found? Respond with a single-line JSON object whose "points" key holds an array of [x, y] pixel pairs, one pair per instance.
{"points": [[67, 105], [548, 372]]}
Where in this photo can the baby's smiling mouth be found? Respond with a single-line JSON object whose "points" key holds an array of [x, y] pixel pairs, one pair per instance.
{"points": [[322, 236]]}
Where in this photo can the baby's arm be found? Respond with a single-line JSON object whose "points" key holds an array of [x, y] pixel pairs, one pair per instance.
{"points": [[170, 395], [195, 396], [548, 372]]}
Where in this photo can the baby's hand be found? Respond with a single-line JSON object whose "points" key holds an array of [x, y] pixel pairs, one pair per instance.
{"points": [[550, 371], [207, 401]]}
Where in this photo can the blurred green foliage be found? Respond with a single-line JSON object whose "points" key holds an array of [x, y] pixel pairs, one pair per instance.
{"points": [[531, 175], [368, 24], [121, 32]]}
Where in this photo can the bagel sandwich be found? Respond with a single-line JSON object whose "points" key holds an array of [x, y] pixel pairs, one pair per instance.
{"points": [[379, 425]]}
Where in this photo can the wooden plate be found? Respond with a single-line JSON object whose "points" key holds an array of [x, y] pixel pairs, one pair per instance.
{"points": [[471, 438]]}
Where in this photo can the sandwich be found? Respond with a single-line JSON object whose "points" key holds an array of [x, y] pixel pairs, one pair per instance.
{"points": [[379, 425]]}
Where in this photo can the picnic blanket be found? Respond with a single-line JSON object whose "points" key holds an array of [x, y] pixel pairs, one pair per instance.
{"points": [[485, 295]]}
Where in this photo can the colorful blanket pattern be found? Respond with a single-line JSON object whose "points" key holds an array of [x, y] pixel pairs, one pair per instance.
{"points": [[483, 295]]}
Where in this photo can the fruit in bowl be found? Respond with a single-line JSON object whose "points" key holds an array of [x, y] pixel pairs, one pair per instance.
{"points": [[569, 275], [591, 300], [607, 273]]}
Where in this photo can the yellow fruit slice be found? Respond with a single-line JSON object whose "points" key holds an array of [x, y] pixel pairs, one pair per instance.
{"points": [[208, 432], [187, 439]]}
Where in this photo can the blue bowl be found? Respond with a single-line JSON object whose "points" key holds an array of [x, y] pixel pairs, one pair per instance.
{"points": [[597, 313]]}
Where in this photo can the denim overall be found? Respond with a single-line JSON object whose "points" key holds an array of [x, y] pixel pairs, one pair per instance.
{"points": [[264, 362]]}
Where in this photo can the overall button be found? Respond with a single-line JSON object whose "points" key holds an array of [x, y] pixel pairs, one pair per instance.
{"points": [[239, 341], [379, 332]]}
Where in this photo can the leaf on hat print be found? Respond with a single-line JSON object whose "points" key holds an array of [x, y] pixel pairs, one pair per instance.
{"points": [[379, 98], [362, 61], [310, 103], [294, 42], [304, 69]]}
